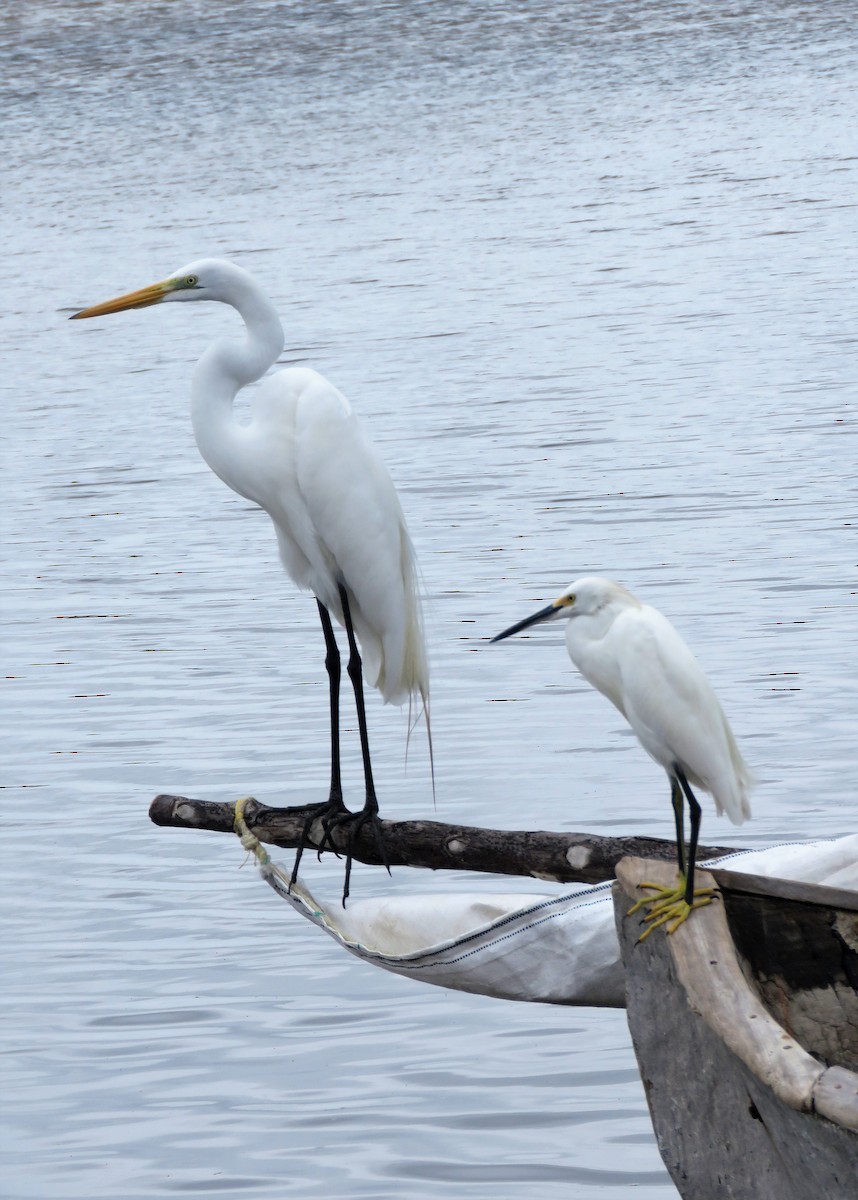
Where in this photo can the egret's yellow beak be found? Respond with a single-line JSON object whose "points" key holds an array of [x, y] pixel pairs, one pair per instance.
{"points": [[142, 298]]}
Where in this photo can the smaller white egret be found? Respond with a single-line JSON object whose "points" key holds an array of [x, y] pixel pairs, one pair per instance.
{"points": [[304, 458], [632, 654]]}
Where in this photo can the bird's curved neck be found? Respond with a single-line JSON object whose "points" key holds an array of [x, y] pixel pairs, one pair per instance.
{"points": [[223, 370]]}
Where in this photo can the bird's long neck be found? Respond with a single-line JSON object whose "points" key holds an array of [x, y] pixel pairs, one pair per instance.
{"points": [[223, 370]]}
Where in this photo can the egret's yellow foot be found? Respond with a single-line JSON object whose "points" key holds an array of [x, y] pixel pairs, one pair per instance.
{"points": [[653, 887], [669, 906]]}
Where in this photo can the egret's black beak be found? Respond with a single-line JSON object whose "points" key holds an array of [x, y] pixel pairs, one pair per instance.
{"points": [[544, 614]]}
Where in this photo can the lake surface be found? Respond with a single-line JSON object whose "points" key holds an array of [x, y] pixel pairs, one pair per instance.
{"points": [[588, 273]]}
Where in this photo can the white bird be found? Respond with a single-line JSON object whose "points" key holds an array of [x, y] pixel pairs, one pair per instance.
{"points": [[304, 458], [632, 654]]}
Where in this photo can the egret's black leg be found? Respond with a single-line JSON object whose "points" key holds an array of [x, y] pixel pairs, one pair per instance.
{"points": [[355, 671], [678, 803], [334, 804], [671, 906], [332, 666], [369, 813], [694, 812]]}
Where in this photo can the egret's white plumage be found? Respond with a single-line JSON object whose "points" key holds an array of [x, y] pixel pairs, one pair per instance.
{"points": [[304, 458], [632, 654]]}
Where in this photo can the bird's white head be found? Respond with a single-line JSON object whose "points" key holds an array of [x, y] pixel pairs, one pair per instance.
{"points": [[205, 279], [584, 597]]}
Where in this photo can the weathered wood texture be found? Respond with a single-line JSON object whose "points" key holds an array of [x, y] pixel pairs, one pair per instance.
{"points": [[735, 1100], [562, 857], [802, 960]]}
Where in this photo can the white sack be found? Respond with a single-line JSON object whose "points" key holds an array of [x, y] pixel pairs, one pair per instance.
{"points": [[558, 949]]}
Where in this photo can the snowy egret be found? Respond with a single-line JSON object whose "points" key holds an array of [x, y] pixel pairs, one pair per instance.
{"points": [[305, 460], [633, 655]]}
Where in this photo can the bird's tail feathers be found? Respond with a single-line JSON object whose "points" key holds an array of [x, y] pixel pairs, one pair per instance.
{"points": [[413, 722], [732, 797], [415, 673], [396, 662]]}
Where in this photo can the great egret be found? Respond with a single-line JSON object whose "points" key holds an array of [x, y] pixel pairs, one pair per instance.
{"points": [[304, 458], [632, 654]]}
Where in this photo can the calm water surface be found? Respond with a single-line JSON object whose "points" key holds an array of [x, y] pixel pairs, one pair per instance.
{"points": [[588, 272]]}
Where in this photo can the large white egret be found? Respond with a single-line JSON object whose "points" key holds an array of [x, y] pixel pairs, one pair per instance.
{"points": [[304, 458], [632, 654]]}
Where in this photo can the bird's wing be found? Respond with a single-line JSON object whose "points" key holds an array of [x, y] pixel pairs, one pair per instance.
{"points": [[676, 715], [358, 522], [668, 700]]}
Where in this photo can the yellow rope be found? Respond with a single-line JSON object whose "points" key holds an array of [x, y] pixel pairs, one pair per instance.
{"points": [[252, 844], [246, 836], [269, 869]]}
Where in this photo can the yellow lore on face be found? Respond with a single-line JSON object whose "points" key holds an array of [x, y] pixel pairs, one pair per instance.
{"points": [[564, 601]]}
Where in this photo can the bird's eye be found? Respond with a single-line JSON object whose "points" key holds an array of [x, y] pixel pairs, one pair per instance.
{"points": [[191, 281]]}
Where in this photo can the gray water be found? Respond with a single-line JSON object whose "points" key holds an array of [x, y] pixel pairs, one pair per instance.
{"points": [[588, 273]]}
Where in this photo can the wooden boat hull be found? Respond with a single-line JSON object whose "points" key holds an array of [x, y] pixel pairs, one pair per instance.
{"points": [[745, 1026]]}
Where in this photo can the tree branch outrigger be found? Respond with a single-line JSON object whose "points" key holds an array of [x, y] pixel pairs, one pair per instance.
{"points": [[434, 845]]}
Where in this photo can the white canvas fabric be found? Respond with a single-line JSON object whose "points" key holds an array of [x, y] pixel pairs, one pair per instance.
{"points": [[559, 949]]}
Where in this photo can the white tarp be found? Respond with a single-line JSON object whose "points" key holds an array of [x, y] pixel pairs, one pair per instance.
{"points": [[559, 949]]}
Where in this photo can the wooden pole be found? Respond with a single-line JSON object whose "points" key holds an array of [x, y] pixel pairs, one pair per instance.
{"points": [[560, 857]]}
